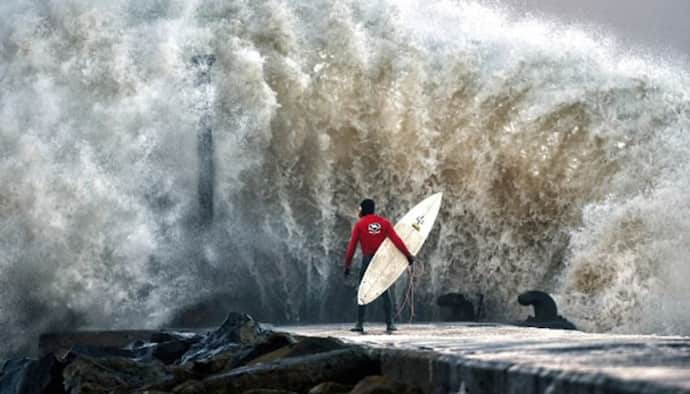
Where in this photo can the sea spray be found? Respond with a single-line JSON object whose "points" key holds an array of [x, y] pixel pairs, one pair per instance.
{"points": [[563, 160]]}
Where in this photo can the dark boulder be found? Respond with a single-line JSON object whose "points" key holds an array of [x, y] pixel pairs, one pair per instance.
{"points": [[86, 374], [27, 376], [304, 347], [238, 356], [169, 383], [382, 385], [167, 347], [237, 331], [545, 311], [238, 328], [103, 351], [299, 374], [313, 345], [190, 387], [105, 342], [170, 351], [331, 388], [269, 344], [167, 336]]}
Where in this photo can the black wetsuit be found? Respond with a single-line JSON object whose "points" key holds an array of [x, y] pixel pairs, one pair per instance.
{"points": [[386, 296]]}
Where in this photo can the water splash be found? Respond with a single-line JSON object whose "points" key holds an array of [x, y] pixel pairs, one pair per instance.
{"points": [[563, 160]]}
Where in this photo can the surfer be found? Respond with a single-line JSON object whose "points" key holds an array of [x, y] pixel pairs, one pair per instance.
{"points": [[370, 231]]}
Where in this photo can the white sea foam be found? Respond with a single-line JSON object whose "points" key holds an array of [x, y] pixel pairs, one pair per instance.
{"points": [[563, 159]]}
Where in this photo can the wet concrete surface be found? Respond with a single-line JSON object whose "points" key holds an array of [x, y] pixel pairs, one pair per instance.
{"points": [[495, 358]]}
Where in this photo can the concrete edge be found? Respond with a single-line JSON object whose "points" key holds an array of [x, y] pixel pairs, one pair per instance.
{"points": [[439, 374]]}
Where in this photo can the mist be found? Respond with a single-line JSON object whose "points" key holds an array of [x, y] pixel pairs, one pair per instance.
{"points": [[564, 160], [661, 26]]}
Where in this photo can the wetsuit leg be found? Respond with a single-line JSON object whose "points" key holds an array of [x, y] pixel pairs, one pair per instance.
{"points": [[361, 309], [387, 307]]}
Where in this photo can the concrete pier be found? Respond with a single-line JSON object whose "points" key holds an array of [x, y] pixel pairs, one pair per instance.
{"points": [[492, 358]]}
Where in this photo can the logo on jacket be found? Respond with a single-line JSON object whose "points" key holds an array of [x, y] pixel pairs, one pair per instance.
{"points": [[374, 228]]}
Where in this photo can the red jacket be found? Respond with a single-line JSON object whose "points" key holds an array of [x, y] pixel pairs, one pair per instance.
{"points": [[370, 231]]}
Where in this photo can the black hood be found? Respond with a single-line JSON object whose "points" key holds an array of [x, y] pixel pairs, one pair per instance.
{"points": [[367, 206]]}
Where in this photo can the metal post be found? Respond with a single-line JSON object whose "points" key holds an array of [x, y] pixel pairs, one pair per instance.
{"points": [[203, 64]]}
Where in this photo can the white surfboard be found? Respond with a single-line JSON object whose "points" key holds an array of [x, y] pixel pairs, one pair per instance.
{"points": [[389, 263]]}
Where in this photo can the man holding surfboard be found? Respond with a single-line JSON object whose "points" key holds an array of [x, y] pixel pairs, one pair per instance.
{"points": [[370, 232]]}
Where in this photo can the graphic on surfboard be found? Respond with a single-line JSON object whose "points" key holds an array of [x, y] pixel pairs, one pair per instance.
{"points": [[389, 263]]}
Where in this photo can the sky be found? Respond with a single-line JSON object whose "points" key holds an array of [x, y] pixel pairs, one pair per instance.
{"points": [[661, 25]]}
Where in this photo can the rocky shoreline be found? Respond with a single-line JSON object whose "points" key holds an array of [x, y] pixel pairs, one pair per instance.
{"points": [[240, 356]]}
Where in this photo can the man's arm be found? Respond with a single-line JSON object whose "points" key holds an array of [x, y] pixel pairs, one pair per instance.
{"points": [[351, 247], [397, 241]]}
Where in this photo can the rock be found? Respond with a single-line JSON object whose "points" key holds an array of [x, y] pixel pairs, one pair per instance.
{"points": [[173, 362], [237, 330], [135, 344], [235, 356], [455, 307], [217, 363], [314, 345], [178, 375], [305, 346], [271, 344], [170, 351], [166, 336], [271, 356], [240, 328], [545, 311], [382, 385], [28, 376], [103, 351], [297, 373], [85, 374], [168, 347], [331, 388], [190, 387], [153, 392], [60, 343]]}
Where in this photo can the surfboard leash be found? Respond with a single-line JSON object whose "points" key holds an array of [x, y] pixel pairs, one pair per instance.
{"points": [[408, 300]]}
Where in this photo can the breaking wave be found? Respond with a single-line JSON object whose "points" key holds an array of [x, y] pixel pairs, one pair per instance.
{"points": [[564, 160]]}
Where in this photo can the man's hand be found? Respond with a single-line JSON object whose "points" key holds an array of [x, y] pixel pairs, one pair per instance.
{"points": [[410, 259], [347, 273]]}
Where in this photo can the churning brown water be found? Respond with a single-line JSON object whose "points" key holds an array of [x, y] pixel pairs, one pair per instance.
{"points": [[564, 160]]}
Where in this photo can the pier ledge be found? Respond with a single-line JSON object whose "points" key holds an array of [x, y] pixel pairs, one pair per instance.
{"points": [[493, 358]]}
